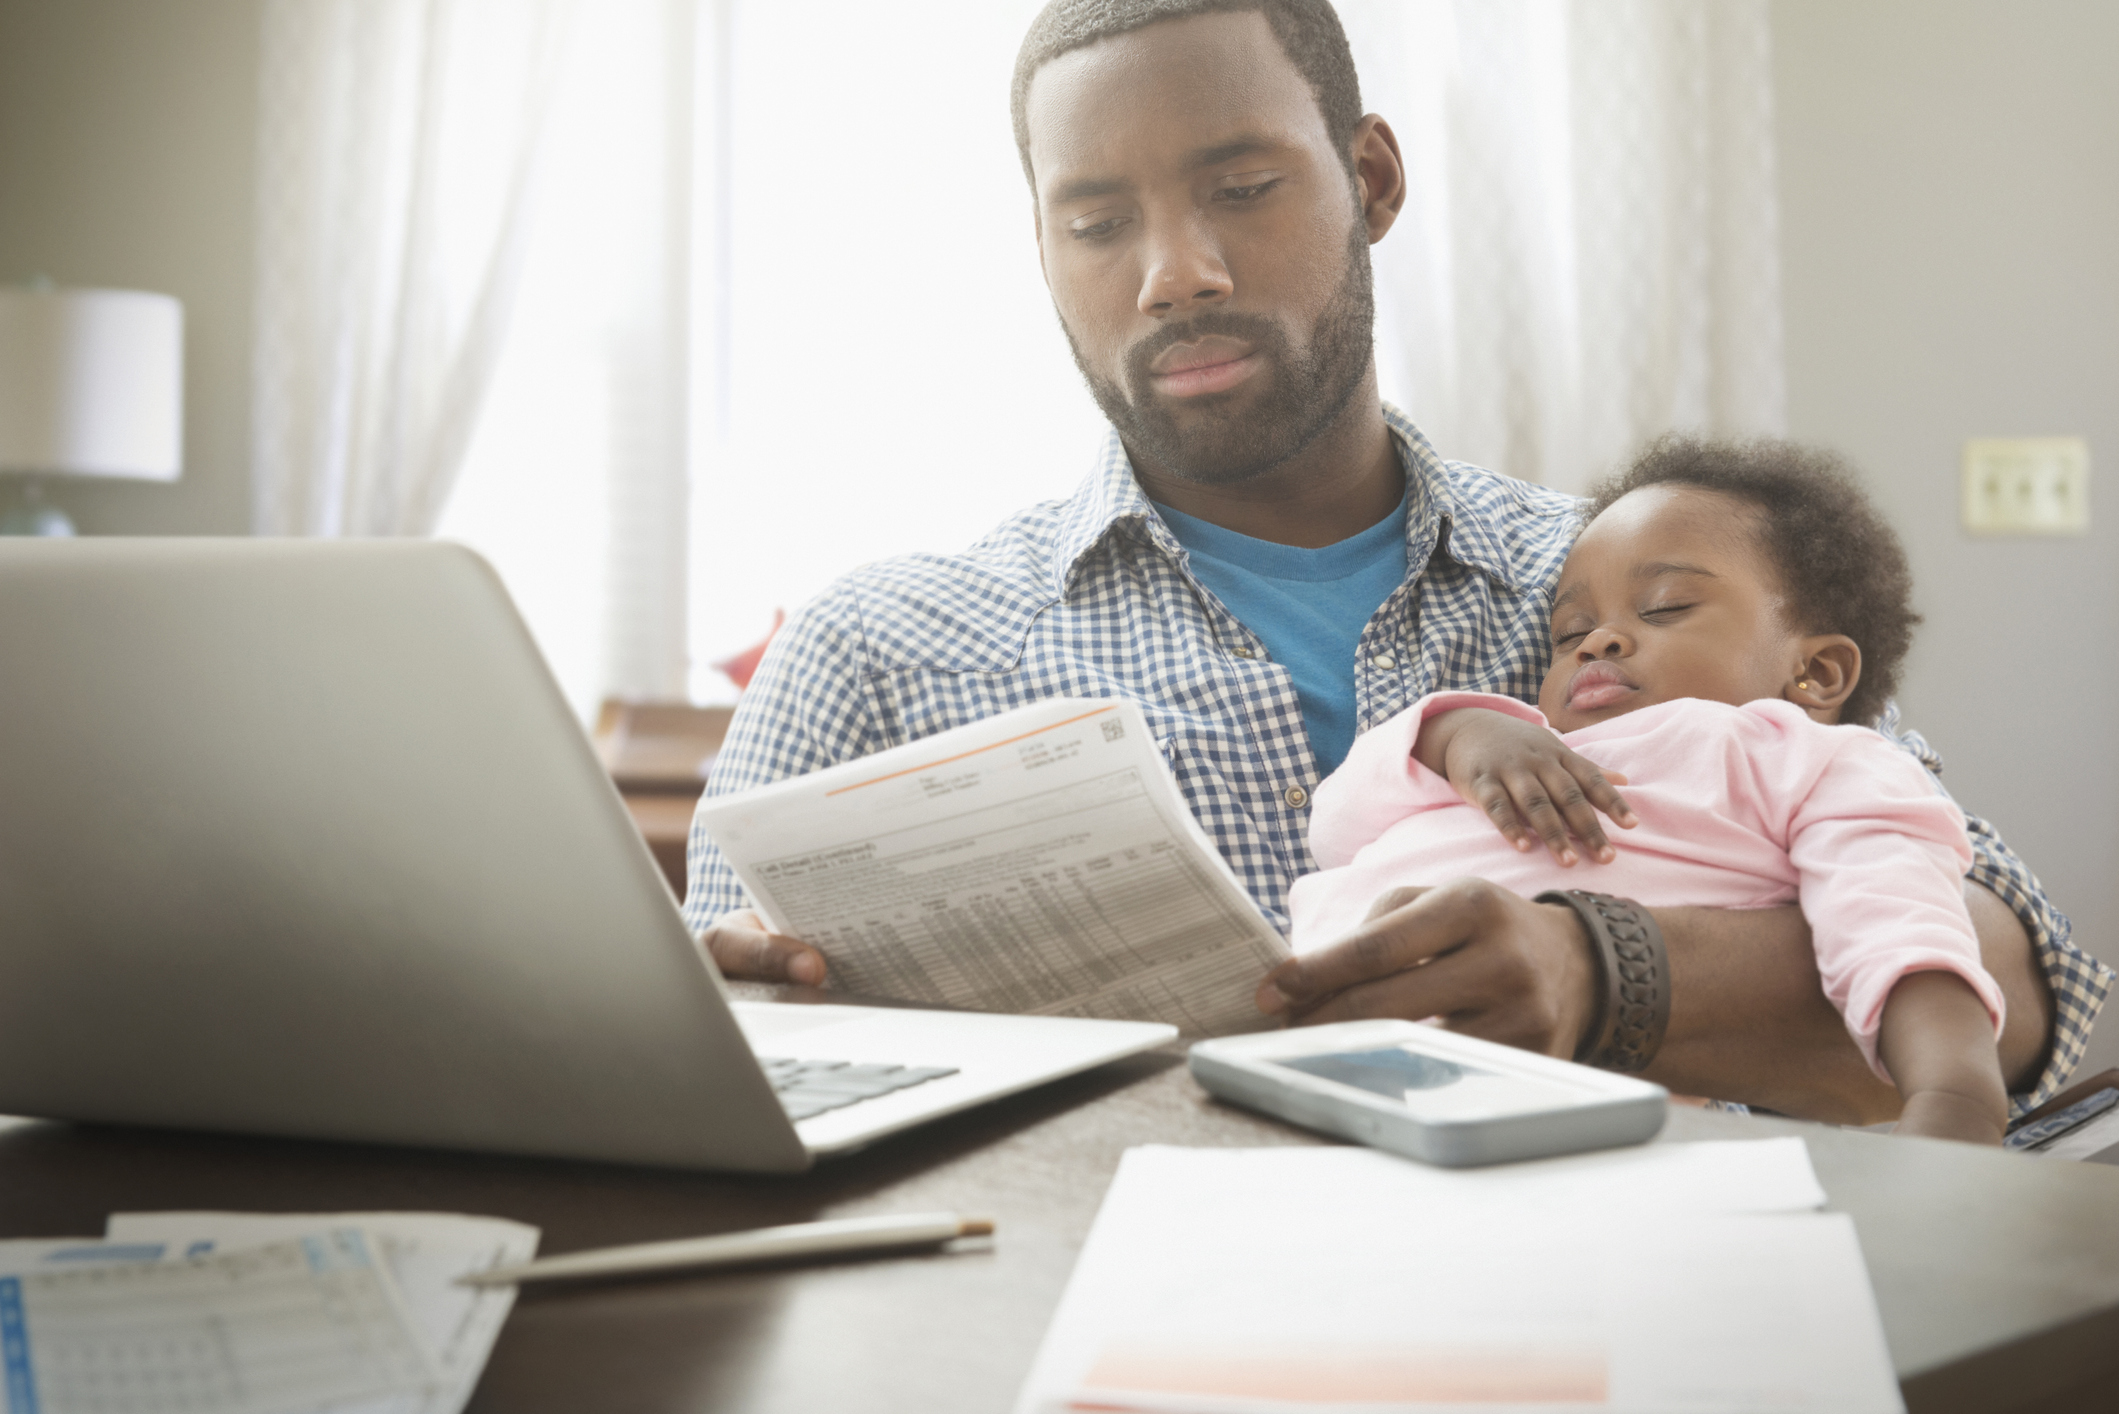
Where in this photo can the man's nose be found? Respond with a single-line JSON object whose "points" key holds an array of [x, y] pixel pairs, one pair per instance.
{"points": [[1185, 271]]}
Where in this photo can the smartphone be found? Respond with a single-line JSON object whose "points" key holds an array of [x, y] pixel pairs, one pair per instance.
{"points": [[1430, 1094]]}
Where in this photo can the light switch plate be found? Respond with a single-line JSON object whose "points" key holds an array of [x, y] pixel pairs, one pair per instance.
{"points": [[2026, 486]]}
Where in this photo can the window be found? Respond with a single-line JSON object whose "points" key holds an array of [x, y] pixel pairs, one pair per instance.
{"points": [[782, 314]]}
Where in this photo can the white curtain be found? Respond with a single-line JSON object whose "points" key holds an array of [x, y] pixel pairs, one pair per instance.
{"points": [[473, 307], [1590, 253], [577, 482], [399, 146], [897, 380]]}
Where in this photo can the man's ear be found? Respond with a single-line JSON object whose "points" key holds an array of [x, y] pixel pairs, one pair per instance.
{"points": [[1379, 175], [1826, 676]]}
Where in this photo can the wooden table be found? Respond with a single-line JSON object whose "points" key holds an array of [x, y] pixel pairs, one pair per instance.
{"points": [[1997, 1275]]}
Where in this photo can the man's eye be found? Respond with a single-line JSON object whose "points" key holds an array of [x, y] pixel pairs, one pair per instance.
{"points": [[1247, 193], [1102, 230]]}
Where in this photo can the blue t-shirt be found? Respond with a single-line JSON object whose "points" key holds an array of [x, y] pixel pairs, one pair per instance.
{"points": [[1308, 606]]}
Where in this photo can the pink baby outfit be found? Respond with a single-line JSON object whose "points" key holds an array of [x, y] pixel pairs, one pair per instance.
{"points": [[1739, 807]]}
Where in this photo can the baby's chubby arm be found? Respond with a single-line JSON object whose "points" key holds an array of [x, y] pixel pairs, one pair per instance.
{"points": [[1937, 1038], [1881, 855], [1526, 780]]}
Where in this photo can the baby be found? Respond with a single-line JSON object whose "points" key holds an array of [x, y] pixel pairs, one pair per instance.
{"points": [[1725, 630]]}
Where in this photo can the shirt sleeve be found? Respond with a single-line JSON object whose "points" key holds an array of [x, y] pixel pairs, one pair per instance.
{"points": [[806, 708], [1881, 856], [1380, 783], [2077, 982]]}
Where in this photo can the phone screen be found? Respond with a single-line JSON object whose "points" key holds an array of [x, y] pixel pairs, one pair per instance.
{"points": [[1433, 1088]]}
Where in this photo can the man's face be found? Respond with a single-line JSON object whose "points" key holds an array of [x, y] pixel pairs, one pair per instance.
{"points": [[1203, 243]]}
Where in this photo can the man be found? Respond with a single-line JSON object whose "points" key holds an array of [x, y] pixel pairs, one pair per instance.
{"points": [[1269, 559]]}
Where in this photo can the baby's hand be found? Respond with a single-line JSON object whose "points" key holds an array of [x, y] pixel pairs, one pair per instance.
{"points": [[1942, 1114], [1937, 1040], [1526, 780]]}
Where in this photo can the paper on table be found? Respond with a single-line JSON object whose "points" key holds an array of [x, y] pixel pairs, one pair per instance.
{"points": [[425, 1252], [1678, 1277], [1039, 861], [288, 1326], [1611, 1185], [28, 1254]]}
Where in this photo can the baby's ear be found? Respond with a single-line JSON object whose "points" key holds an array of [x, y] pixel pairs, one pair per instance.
{"points": [[1825, 679]]}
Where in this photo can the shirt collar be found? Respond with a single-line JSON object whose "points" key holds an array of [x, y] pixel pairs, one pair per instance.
{"points": [[1109, 502], [1438, 518]]}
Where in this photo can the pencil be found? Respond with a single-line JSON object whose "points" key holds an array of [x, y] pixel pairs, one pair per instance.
{"points": [[842, 1237]]}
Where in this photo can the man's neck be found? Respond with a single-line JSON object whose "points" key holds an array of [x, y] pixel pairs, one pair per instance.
{"points": [[1337, 487]]}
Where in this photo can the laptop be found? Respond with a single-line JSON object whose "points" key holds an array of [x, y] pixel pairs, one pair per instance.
{"points": [[301, 838]]}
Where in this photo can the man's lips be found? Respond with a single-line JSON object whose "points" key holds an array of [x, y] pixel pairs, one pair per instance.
{"points": [[1598, 685], [1212, 365]]}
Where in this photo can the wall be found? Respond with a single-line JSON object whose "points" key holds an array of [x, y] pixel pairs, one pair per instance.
{"points": [[1950, 189], [127, 133]]}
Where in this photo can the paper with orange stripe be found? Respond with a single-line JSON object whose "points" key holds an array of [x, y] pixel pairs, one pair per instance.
{"points": [[1671, 1277], [1042, 861]]}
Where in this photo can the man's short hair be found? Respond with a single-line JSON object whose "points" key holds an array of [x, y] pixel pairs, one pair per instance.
{"points": [[1308, 31]]}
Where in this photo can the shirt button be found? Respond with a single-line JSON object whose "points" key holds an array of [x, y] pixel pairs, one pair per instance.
{"points": [[1296, 797], [1384, 660], [1243, 652]]}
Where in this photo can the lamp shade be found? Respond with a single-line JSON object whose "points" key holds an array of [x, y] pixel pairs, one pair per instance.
{"points": [[91, 383]]}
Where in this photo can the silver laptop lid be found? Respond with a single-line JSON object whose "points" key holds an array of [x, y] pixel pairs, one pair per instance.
{"points": [[301, 838]]}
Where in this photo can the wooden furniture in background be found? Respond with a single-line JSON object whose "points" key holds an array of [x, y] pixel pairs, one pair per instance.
{"points": [[659, 754]]}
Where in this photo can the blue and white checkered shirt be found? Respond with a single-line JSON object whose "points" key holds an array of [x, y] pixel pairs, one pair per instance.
{"points": [[1093, 597]]}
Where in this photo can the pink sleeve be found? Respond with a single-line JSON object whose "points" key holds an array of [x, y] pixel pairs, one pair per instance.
{"points": [[1380, 782], [1881, 857]]}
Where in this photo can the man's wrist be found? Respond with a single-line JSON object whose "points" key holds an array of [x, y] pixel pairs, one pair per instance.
{"points": [[1582, 984], [1632, 984]]}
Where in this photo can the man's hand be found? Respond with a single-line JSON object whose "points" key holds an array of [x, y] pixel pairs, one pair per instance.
{"points": [[1749, 1019], [745, 951], [1526, 780], [1490, 963]]}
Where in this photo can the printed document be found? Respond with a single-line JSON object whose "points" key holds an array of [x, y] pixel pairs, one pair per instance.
{"points": [[424, 1252], [294, 1325], [1040, 861], [1672, 1277]]}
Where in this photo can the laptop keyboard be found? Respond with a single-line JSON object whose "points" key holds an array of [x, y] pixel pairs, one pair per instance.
{"points": [[810, 1087]]}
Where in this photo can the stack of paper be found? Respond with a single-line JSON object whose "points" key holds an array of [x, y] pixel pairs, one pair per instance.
{"points": [[1681, 1277], [255, 1314]]}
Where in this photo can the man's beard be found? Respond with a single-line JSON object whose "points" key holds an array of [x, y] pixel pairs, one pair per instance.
{"points": [[1227, 445]]}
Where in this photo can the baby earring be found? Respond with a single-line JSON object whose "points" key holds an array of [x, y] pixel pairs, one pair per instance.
{"points": [[1802, 684]]}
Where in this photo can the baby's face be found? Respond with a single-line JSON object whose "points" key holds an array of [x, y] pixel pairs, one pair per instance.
{"points": [[1666, 595]]}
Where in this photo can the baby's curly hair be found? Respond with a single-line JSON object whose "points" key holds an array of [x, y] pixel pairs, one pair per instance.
{"points": [[1840, 563]]}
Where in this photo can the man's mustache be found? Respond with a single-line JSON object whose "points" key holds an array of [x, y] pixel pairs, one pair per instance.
{"points": [[1254, 329]]}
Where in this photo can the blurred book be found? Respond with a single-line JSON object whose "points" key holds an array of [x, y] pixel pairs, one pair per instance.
{"points": [[423, 1255], [358, 1313], [2081, 1122]]}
